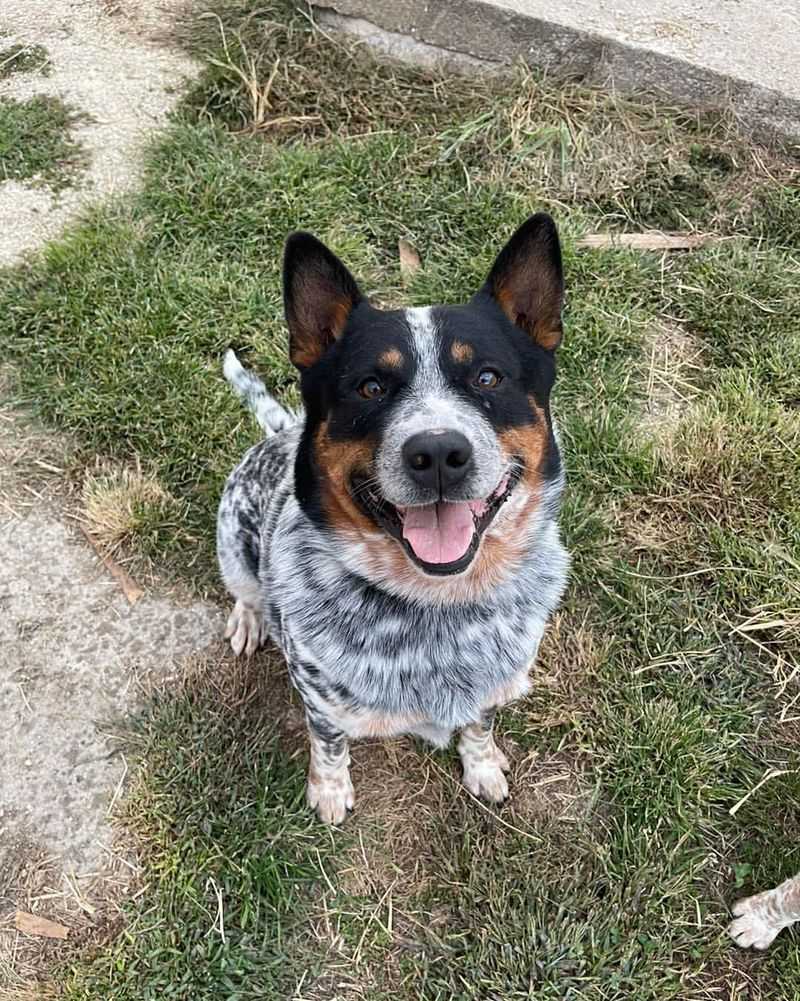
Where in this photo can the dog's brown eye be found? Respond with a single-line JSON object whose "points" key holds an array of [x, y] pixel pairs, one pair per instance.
{"points": [[370, 389], [488, 378]]}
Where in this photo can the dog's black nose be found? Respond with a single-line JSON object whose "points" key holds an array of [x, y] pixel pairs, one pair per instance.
{"points": [[437, 460]]}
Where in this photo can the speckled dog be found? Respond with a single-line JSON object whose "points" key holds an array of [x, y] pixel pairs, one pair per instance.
{"points": [[398, 539]]}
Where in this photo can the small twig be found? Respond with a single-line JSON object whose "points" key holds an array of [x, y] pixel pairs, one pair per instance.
{"points": [[645, 241], [691, 573], [325, 876], [219, 922], [374, 917], [48, 466], [130, 588], [118, 789], [25, 699]]}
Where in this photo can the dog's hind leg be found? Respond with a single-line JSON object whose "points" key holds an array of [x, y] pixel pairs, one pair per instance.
{"points": [[758, 919], [483, 761]]}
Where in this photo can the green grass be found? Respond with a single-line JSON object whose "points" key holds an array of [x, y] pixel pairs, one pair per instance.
{"points": [[666, 687], [24, 59], [35, 141], [236, 852]]}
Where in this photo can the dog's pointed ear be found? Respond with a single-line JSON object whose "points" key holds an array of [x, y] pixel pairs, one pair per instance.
{"points": [[318, 295], [527, 280]]}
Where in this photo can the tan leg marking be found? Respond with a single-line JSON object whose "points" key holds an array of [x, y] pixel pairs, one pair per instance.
{"points": [[758, 919], [483, 761], [330, 791]]}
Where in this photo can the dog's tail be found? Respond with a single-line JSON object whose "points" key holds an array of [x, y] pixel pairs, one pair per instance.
{"points": [[267, 411]]}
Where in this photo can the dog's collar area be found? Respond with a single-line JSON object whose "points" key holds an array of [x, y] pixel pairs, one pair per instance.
{"points": [[391, 519]]}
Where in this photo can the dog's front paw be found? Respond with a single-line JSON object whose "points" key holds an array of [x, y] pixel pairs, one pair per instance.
{"points": [[751, 927], [331, 797], [245, 629], [483, 775]]}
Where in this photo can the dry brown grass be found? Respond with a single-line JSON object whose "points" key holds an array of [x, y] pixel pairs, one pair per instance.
{"points": [[774, 631], [40, 991], [550, 788], [565, 673], [624, 156], [398, 791], [726, 469], [115, 500], [653, 524], [637, 161], [33, 463], [89, 906], [675, 366]]}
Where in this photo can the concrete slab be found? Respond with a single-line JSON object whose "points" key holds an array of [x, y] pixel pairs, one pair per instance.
{"points": [[739, 54], [75, 660], [75, 657]]}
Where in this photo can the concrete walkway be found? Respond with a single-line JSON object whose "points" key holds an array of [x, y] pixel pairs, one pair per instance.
{"points": [[112, 63], [75, 655], [743, 54]]}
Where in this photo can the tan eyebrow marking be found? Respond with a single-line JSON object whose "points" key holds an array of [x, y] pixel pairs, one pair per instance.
{"points": [[391, 358], [461, 352]]}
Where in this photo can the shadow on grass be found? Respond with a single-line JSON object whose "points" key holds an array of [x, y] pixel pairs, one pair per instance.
{"points": [[231, 857]]}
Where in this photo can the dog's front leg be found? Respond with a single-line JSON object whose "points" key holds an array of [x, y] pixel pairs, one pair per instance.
{"points": [[758, 919], [483, 761], [330, 791]]}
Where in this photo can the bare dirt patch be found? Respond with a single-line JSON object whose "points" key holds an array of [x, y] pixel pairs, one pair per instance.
{"points": [[400, 789], [550, 787]]}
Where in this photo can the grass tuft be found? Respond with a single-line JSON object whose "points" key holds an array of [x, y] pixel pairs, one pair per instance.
{"points": [[119, 503], [232, 856], [24, 59], [35, 142]]}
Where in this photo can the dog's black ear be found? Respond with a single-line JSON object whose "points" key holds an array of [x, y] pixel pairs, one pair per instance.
{"points": [[527, 280], [318, 296]]}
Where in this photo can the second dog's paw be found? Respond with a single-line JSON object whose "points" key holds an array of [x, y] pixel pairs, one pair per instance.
{"points": [[484, 777], [331, 798], [245, 629], [750, 927]]}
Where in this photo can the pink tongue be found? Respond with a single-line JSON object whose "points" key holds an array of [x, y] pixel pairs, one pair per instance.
{"points": [[439, 533]]}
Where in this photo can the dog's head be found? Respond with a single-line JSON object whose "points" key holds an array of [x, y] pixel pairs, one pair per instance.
{"points": [[428, 430]]}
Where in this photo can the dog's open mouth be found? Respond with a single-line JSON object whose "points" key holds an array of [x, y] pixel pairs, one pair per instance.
{"points": [[440, 538]]}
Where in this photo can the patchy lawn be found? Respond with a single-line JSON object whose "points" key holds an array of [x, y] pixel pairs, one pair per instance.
{"points": [[24, 59], [668, 685], [35, 141]]}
